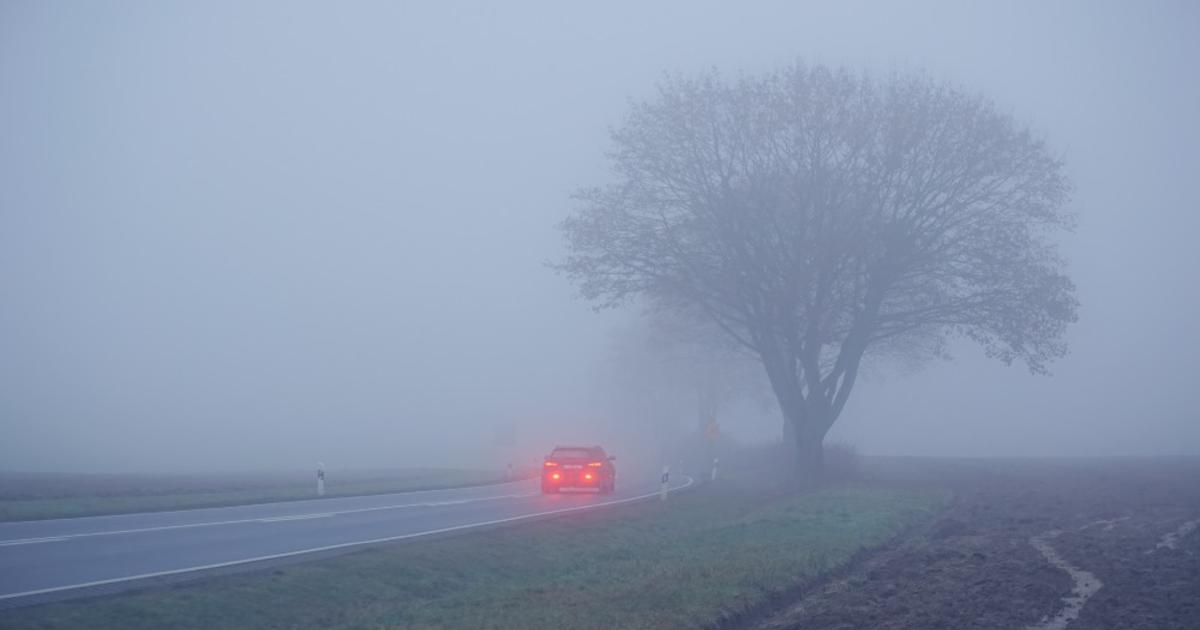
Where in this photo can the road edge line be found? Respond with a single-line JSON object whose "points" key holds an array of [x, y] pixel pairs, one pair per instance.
{"points": [[299, 552]]}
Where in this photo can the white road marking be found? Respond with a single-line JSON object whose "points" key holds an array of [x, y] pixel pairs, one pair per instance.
{"points": [[268, 519], [29, 541], [297, 501], [297, 517], [300, 552]]}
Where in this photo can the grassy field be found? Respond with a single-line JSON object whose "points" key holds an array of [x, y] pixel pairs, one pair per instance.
{"points": [[29, 496], [692, 561]]}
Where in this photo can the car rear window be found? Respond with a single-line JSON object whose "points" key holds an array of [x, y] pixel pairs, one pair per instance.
{"points": [[573, 453]]}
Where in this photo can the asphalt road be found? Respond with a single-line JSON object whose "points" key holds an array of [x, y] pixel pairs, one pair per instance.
{"points": [[62, 558]]}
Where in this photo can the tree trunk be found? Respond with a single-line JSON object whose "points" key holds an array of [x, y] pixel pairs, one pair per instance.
{"points": [[809, 456], [805, 435], [805, 424], [789, 432], [785, 466]]}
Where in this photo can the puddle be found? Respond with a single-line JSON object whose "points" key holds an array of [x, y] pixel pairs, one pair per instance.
{"points": [[1171, 539], [1108, 523], [1086, 584]]}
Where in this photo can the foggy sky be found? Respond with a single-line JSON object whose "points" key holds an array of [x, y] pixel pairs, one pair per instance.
{"points": [[248, 235]]}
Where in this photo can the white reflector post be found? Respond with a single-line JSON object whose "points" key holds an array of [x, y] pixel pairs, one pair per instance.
{"points": [[666, 478], [714, 471], [320, 479]]}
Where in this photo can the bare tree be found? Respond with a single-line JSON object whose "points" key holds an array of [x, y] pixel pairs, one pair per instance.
{"points": [[817, 216]]}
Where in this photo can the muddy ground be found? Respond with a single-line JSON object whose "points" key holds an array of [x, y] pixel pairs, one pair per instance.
{"points": [[1128, 523]]}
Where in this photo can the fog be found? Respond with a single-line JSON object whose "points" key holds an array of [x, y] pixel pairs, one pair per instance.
{"points": [[259, 235]]}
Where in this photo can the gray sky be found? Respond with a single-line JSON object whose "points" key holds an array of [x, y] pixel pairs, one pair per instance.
{"points": [[254, 235]]}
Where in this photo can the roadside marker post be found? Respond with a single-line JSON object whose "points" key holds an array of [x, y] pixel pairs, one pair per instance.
{"points": [[714, 470], [666, 477], [320, 479]]}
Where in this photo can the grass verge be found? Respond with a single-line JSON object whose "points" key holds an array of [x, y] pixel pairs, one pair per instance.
{"points": [[692, 561], [33, 497]]}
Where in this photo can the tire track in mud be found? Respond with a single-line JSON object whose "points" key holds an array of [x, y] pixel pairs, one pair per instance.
{"points": [[1170, 540], [1086, 583]]}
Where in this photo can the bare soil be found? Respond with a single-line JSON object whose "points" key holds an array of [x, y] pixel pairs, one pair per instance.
{"points": [[1130, 523]]}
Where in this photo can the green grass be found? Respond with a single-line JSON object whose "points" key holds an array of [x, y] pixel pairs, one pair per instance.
{"points": [[688, 562], [101, 494]]}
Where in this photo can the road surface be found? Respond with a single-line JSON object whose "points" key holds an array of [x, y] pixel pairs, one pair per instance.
{"points": [[62, 558]]}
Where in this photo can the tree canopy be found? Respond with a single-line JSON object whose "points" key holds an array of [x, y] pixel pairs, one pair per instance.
{"points": [[817, 216]]}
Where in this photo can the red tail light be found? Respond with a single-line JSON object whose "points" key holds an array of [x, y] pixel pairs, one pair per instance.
{"points": [[587, 476], [548, 464], [555, 476], [595, 464]]}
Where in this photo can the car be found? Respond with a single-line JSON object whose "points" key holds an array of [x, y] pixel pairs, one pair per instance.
{"points": [[584, 467]]}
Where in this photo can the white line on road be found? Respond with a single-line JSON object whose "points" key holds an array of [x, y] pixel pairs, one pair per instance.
{"points": [[405, 493], [297, 517], [268, 519], [299, 552], [29, 541]]}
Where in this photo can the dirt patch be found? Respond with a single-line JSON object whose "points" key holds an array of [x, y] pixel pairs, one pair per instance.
{"points": [[983, 564]]}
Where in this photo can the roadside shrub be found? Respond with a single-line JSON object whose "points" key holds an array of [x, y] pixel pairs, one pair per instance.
{"points": [[775, 460]]}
